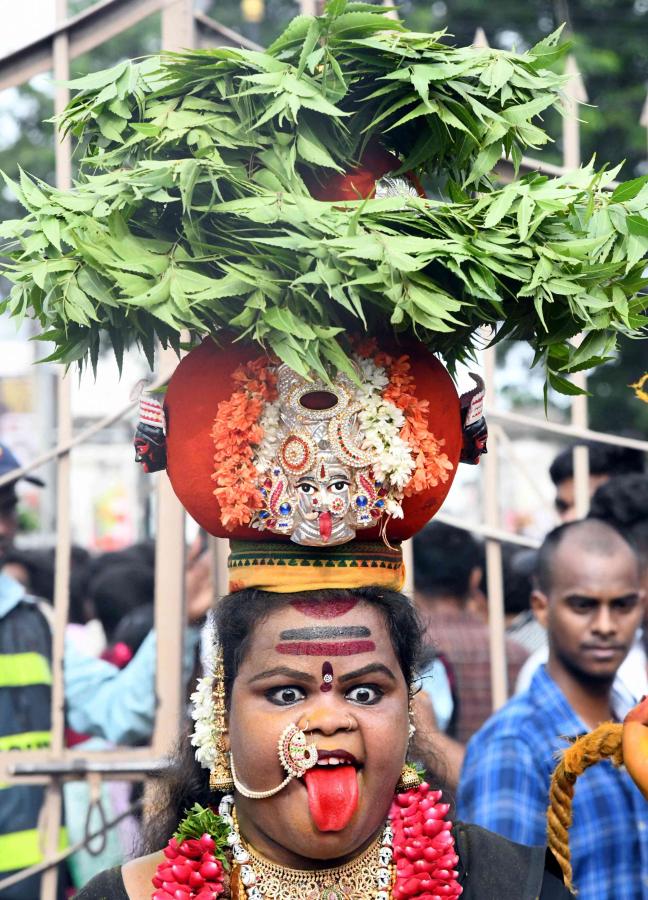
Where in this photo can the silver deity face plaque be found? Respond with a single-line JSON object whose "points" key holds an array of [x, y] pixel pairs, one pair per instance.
{"points": [[319, 488]]}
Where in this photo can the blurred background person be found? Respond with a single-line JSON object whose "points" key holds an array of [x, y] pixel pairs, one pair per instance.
{"points": [[588, 596], [448, 571], [9, 500], [605, 461], [521, 624], [623, 503]]}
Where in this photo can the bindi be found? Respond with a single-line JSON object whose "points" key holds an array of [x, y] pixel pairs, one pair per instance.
{"points": [[327, 677]]}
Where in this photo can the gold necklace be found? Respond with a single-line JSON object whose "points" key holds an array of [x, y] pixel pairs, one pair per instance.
{"points": [[355, 880]]}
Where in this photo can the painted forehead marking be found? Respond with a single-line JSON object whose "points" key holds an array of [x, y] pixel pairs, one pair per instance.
{"points": [[327, 677], [323, 609], [325, 640], [324, 632], [325, 648]]}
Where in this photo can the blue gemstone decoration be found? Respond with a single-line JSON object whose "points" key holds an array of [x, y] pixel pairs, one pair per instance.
{"points": [[276, 471], [264, 492], [379, 503], [361, 501], [264, 514], [285, 509]]}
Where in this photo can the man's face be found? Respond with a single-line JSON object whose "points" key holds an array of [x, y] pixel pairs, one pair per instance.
{"points": [[592, 610], [565, 501], [8, 519]]}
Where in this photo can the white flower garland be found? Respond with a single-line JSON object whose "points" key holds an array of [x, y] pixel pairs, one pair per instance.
{"points": [[203, 709], [381, 422], [268, 449], [204, 735]]}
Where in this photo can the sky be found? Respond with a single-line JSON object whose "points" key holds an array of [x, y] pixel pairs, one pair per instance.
{"points": [[24, 21]]}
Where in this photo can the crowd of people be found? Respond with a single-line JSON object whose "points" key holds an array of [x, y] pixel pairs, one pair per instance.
{"points": [[109, 678], [575, 651]]}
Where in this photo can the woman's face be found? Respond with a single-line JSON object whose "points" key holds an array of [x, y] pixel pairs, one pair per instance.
{"points": [[330, 668]]}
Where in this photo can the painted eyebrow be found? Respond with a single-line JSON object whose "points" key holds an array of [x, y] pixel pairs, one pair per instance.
{"points": [[589, 599], [367, 670], [284, 670]]}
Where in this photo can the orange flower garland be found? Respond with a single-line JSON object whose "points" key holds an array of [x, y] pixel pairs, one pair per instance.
{"points": [[236, 434]]}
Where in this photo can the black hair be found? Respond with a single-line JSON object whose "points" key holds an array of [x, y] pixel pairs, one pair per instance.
{"points": [[595, 537], [237, 617], [117, 590], [8, 498], [518, 565], [604, 459], [134, 626], [39, 565], [623, 503], [444, 558]]}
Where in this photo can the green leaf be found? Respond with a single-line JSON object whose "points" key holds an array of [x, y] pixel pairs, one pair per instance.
{"points": [[98, 80], [313, 151], [500, 206], [310, 41], [637, 225], [524, 213], [628, 190], [563, 386], [517, 115]]}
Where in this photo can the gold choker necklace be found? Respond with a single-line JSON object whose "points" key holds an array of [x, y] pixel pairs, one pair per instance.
{"points": [[355, 880]]}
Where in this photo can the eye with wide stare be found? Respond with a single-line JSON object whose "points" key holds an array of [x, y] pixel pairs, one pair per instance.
{"points": [[307, 488], [285, 696], [364, 694], [338, 487]]}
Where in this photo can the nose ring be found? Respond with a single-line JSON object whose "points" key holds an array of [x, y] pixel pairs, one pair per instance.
{"points": [[305, 728], [350, 725]]}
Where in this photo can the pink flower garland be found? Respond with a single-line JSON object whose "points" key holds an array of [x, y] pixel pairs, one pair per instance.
{"points": [[423, 845]]}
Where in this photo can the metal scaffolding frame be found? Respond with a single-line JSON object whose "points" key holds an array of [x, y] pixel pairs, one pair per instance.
{"points": [[183, 27]]}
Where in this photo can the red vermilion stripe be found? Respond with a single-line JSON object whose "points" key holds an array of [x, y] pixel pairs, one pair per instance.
{"points": [[325, 648], [324, 609]]}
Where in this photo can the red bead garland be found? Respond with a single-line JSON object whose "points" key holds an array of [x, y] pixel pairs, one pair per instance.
{"points": [[424, 850], [190, 871], [423, 847]]}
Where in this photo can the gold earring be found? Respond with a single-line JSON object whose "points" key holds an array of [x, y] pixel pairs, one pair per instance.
{"points": [[220, 776], [409, 778]]}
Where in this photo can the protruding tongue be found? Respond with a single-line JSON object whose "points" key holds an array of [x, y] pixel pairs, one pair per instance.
{"points": [[325, 525], [332, 796]]}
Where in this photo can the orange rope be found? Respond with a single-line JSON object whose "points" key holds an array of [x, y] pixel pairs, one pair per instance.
{"points": [[602, 743]]}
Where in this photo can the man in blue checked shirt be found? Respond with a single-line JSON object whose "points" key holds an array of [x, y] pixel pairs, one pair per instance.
{"points": [[588, 597]]}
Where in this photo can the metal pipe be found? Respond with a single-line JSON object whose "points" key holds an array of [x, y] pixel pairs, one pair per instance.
{"points": [[77, 767], [64, 447], [53, 803], [569, 431], [496, 624], [495, 534]]}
